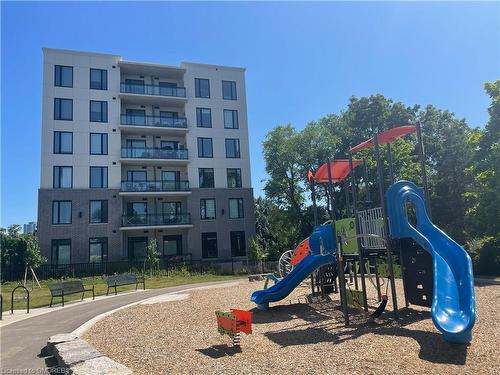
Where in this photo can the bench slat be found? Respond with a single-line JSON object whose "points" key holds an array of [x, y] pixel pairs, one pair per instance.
{"points": [[69, 287], [124, 279]]}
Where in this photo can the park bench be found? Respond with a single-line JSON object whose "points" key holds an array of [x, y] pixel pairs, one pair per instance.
{"points": [[66, 288], [114, 281]]}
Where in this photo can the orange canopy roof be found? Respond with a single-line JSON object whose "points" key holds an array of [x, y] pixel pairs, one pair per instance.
{"points": [[339, 170], [388, 136]]}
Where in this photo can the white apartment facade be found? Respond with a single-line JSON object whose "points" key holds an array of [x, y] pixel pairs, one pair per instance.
{"points": [[138, 151]]}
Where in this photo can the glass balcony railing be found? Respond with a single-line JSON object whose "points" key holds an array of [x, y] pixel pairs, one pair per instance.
{"points": [[154, 186], [153, 153], [133, 88], [156, 219], [164, 122]]}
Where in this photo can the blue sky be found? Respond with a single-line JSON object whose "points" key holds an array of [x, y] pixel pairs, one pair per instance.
{"points": [[303, 60]]}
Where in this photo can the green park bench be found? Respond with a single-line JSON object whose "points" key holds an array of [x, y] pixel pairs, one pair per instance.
{"points": [[66, 288], [114, 281]]}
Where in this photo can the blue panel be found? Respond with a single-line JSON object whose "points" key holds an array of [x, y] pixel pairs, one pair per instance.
{"points": [[453, 305]]}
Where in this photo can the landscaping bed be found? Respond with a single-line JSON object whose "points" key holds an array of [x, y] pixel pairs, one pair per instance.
{"points": [[180, 336]]}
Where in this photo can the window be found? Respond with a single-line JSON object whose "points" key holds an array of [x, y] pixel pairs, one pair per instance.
{"points": [[98, 144], [209, 245], [205, 149], [206, 176], [207, 209], [238, 246], [61, 251], [63, 76], [202, 88], [98, 79], [61, 212], [98, 177], [63, 143], [236, 208], [229, 90], [233, 177], [98, 249], [98, 111], [172, 245], [232, 148], [203, 117], [230, 119], [63, 177], [98, 212], [63, 109]]}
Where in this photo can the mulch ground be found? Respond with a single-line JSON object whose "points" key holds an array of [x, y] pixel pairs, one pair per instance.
{"points": [[180, 337]]}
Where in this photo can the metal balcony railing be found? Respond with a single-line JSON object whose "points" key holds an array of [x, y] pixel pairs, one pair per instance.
{"points": [[154, 186], [153, 153], [163, 122], [134, 88], [156, 219]]}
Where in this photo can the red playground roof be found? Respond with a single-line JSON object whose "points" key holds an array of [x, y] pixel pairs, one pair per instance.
{"points": [[388, 136], [339, 170]]}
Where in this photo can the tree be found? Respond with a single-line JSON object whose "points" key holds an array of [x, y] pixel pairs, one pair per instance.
{"points": [[32, 258], [152, 256], [483, 193], [450, 148], [448, 155]]}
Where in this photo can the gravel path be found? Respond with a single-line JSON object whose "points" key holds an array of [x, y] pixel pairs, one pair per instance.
{"points": [[180, 336]]}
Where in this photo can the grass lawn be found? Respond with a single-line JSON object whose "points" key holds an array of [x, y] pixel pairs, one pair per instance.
{"points": [[40, 297]]}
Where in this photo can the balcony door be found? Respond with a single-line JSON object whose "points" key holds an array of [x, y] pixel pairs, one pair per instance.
{"points": [[171, 212], [137, 247], [170, 180], [136, 117], [137, 213], [136, 180], [168, 118], [135, 86], [136, 148], [172, 245], [167, 88]]}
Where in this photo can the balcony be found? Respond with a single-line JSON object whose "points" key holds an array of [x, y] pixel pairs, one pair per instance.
{"points": [[155, 90], [153, 125], [155, 188], [140, 221], [143, 94], [150, 154], [164, 122]]}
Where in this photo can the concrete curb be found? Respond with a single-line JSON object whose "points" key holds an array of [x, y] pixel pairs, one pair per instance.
{"points": [[81, 358]]}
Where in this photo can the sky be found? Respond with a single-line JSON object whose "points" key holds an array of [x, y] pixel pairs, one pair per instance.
{"points": [[303, 61]]}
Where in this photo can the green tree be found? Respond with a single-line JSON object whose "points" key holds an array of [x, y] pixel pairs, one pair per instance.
{"points": [[483, 192], [448, 156], [152, 256]]}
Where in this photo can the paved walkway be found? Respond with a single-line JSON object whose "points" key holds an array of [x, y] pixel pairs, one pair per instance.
{"points": [[23, 341]]}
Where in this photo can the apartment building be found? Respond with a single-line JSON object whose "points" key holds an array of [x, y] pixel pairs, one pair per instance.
{"points": [[135, 151]]}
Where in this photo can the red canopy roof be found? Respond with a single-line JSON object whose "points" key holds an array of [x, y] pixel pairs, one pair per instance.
{"points": [[339, 170], [388, 136]]}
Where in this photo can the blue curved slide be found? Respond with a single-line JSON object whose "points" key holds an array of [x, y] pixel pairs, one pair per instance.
{"points": [[283, 288], [453, 306]]}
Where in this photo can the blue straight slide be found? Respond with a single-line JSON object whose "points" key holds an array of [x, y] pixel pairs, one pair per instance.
{"points": [[283, 288], [453, 306]]}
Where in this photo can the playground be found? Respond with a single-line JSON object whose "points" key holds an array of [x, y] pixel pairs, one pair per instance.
{"points": [[334, 303], [180, 336]]}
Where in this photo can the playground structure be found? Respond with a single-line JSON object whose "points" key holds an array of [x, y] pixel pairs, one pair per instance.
{"points": [[234, 322], [436, 271]]}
